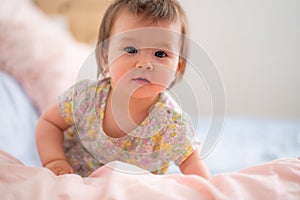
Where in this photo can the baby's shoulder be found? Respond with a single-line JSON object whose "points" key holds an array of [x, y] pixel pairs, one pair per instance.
{"points": [[168, 102], [88, 86], [169, 110], [173, 122]]}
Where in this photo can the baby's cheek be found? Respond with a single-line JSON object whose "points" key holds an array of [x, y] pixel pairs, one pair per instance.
{"points": [[163, 76], [157, 88]]}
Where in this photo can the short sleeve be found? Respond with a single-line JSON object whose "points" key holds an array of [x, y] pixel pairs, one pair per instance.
{"points": [[182, 137], [73, 102]]}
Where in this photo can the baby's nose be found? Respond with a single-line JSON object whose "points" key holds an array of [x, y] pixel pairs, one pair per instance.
{"points": [[147, 67]]}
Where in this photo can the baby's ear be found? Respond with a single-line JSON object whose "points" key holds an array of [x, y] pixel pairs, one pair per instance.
{"points": [[179, 66]]}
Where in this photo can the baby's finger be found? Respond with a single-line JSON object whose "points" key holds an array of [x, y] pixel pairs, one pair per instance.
{"points": [[60, 172], [71, 171], [57, 171]]}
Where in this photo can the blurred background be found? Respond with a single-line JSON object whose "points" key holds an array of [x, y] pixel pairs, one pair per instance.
{"points": [[254, 45]]}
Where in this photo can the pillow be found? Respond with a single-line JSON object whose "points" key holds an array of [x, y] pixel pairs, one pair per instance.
{"points": [[18, 120], [43, 58]]}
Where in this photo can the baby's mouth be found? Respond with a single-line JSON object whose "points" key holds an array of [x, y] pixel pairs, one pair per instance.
{"points": [[141, 80]]}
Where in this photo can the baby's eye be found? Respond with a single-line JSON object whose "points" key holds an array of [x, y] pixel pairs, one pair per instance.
{"points": [[130, 50], [160, 54]]}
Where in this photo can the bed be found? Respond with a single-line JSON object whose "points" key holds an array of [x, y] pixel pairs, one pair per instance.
{"points": [[255, 158], [278, 179]]}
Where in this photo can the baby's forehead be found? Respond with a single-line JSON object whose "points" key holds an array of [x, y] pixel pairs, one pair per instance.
{"points": [[141, 28], [150, 37]]}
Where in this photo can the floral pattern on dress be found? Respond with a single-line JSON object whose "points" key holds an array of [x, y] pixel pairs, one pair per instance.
{"points": [[166, 135]]}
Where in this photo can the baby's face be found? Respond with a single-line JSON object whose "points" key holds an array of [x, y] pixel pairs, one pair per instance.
{"points": [[143, 57]]}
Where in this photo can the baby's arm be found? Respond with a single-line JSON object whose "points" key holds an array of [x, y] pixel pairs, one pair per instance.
{"points": [[49, 141], [194, 165]]}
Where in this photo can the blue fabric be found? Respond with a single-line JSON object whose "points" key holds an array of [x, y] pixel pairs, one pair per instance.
{"points": [[18, 120]]}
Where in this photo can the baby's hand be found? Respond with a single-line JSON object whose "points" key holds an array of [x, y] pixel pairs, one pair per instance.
{"points": [[60, 167]]}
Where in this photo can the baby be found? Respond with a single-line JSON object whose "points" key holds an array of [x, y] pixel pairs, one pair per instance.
{"points": [[126, 115]]}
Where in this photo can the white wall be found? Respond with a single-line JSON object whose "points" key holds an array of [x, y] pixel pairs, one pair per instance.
{"points": [[255, 45]]}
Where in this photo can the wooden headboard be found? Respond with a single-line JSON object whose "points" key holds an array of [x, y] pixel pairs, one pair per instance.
{"points": [[83, 16]]}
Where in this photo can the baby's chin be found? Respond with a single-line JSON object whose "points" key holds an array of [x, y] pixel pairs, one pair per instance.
{"points": [[148, 91]]}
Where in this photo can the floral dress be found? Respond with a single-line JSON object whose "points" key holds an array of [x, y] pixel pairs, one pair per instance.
{"points": [[166, 135]]}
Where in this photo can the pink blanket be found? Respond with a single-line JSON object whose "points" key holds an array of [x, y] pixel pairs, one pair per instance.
{"points": [[279, 179]]}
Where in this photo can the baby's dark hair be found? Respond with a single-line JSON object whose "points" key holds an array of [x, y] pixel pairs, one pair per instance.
{"points": [[154, 10]]}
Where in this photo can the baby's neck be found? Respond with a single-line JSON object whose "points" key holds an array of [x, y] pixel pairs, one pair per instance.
{"points": [[141, 105], [126, 116]]}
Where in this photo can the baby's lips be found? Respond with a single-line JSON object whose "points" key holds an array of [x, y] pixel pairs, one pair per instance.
{"points": [[142, 78]]}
